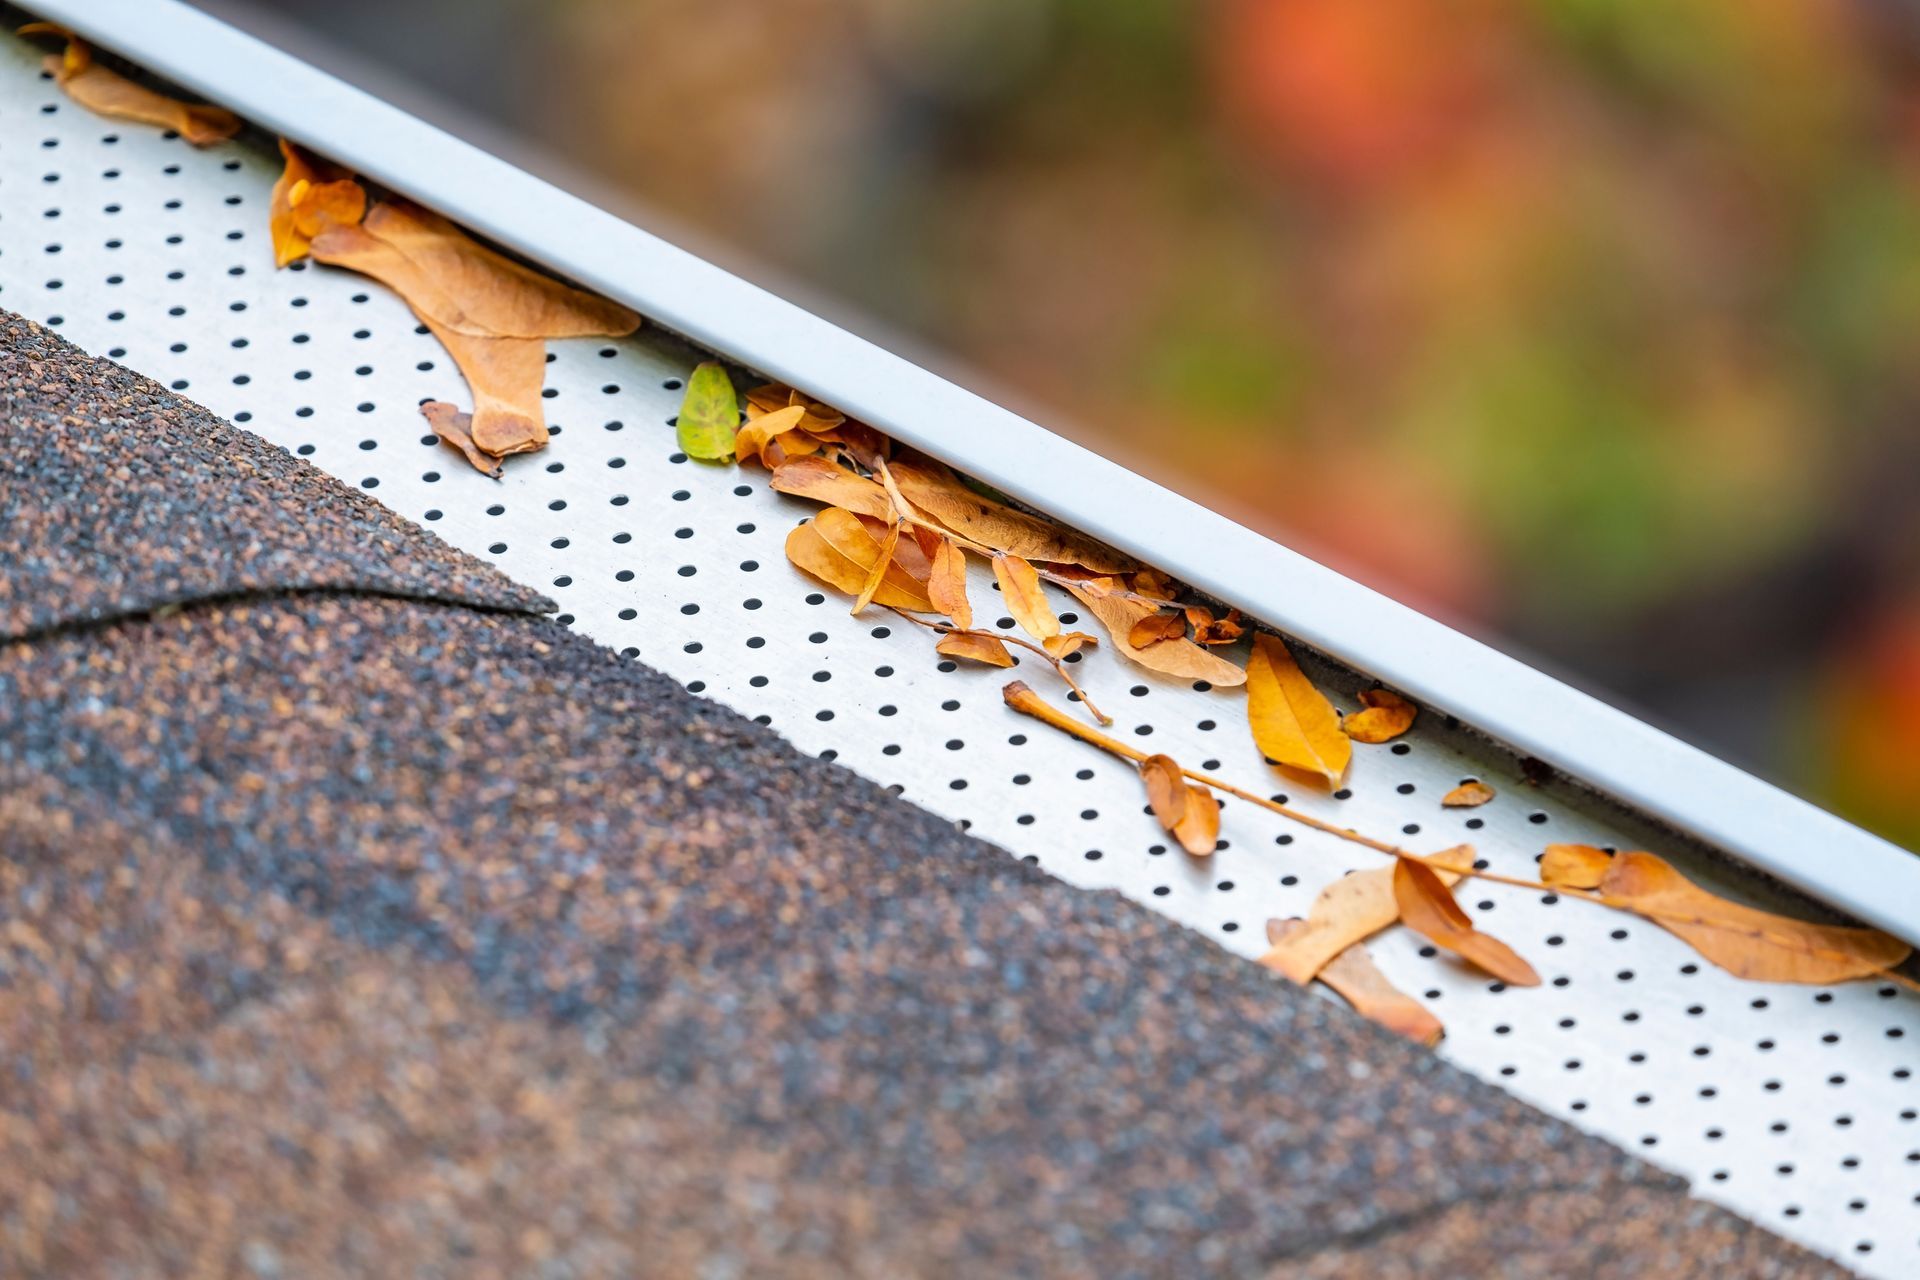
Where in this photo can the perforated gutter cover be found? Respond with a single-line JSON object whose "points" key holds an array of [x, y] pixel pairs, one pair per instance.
{"points": [[1731, 1084]]}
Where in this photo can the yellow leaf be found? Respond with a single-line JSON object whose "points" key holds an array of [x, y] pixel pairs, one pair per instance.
{"points": [[1387, 715], [751, 442], [1347, 911], [1020, 587], [837, 549], [1118, 614], [822, 481], [1156, 627], [709, 415], [1427, 907], [975, 646], [1293, 723], [1468, 795], [935, 490], [883, 562], [1745, 941], [106, 91], [947, 584], [1360, 983]]}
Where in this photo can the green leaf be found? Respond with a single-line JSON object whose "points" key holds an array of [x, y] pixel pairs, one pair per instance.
{"points": [[710, 415]]}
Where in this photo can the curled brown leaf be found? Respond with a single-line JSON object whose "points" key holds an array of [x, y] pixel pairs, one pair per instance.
{"points": [[1026, 601], [975, 646], [1119, 613], [1349, 909], [106, 91], [1428, 908]]}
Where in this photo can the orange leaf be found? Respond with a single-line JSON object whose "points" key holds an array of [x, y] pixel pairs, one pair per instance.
{"points": [[1119, 614], [881, 563], [1156, 627], [1166, 789], [947, 586], [837, 549], [1069, 642], [1350, 909], [1387, 715], [106, 91], [1020, 587], [505, 375], [1293, 723], [1468, 795], [822, 481], [290, 243], [1574, 866], [316, 206], [1360, 983], [1186, 809], [936, 491], [975, 646], [456, 428], [752, 440], [1745, 941], [1209, 630], [1427, 907]]}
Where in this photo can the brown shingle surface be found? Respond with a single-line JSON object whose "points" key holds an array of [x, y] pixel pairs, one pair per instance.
{"points": [[356, 935], [117, 496]]}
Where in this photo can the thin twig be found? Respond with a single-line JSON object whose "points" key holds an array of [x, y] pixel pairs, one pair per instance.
{"points": [[1024, 700], [1058, 664]]}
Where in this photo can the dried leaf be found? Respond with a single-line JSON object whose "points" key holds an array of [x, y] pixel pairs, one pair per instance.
{"points": [[290, 242], [505, 375], [317, 207], [1154, 584], [709, 414], [1574, 866], [1209, 630], [1468, 795], [1067, 643], [1387, 716], [1293, 723], [1360, 983], [769, 396], [1118, 615], [822, 481], [947, 585], [751, 441], [1186, 809], [106, 91], [1166, 789], [1427, 907], [939, 493], [456, 428], [474, 290], [975, 646], [1347, 911], [837, 549], [888, 545], [1745, 941], [1156, 627], [1020, 587]]}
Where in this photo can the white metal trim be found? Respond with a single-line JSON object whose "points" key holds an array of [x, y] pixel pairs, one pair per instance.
{"points": [[1635, 763]]}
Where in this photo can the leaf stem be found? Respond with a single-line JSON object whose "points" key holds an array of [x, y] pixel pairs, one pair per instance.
{"points": [[947, 628]]}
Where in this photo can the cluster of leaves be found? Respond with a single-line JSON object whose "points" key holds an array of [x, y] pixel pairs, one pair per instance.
{"points": [[896, 531], [492, 314]]}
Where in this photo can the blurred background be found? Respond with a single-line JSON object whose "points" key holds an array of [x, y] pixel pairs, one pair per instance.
{"points": [[1591, 326]]}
